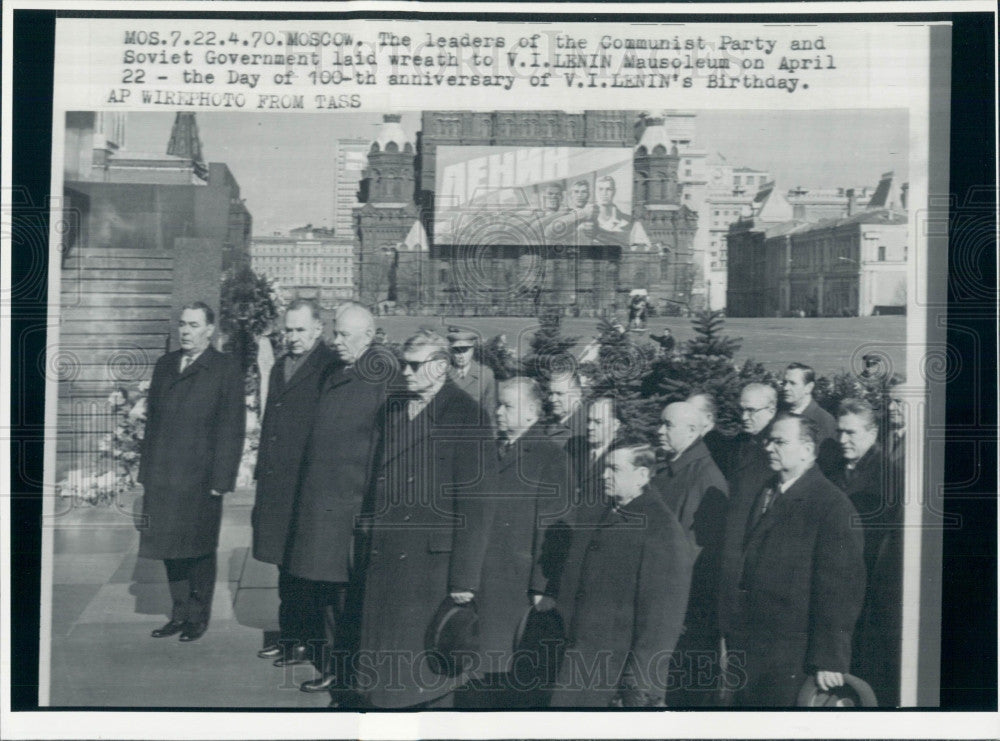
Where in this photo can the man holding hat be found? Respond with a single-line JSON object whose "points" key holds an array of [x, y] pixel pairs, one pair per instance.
{"points": [[425, 520], [470, 376], [793, 576]]}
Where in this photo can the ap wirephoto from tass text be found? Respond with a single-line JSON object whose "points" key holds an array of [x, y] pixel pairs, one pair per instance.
{"points": [[502, 363]]}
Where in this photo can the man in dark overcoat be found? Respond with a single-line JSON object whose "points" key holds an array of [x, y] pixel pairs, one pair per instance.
{"points": [[587, 454], [192, 445], [720, 446], [797, 386], [749, 469], [531, 494], [293, 392], [426, 522], [624, 591], [471, 376], [874, 483], [569, 415], [792, 578], [696, 492], [321, 546]]}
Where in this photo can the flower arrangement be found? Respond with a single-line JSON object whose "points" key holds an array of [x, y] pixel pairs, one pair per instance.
{"points": [[117, 466]]}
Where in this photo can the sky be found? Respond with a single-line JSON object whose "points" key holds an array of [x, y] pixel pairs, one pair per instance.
{"points": [[284, 162]]}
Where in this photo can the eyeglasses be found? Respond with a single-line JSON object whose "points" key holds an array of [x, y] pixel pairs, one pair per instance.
{"points": [[750, 411], [414, 365]]}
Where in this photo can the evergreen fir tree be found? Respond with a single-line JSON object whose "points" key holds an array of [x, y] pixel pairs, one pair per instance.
{"points": [[498, 356], [705, 365], [709, 340], [549, 351], [622, 365]]}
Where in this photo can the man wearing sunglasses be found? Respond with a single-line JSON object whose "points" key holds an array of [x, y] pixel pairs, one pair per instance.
{"points": [[427, 520]]}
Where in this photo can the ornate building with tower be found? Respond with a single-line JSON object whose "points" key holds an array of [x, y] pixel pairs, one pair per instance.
{"points": [[397, 259]]}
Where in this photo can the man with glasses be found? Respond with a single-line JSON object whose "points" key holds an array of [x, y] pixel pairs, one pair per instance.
{"points": [[426, 519], [793, 576], [748, 468]]}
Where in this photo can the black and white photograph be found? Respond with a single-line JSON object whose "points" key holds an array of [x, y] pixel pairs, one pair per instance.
{"points": [[443, 366]]}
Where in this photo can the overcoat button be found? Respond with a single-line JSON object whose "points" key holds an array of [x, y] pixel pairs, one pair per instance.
{"points": [[409, 480], [402, 556], [406, 518]]}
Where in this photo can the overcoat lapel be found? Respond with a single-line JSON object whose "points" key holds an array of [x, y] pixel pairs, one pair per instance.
{"points": [[203, 361], [420, 426], [779, 510], [308, 369]]}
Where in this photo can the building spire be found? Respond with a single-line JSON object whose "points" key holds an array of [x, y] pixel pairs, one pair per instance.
{"points": [[185, 142]]}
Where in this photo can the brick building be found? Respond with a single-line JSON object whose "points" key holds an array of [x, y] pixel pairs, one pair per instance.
{"points": [[853, 265], [397, 259]]}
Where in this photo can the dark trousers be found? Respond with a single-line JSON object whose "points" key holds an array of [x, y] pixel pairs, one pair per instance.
{"points": [[318, 614], [296, 621], [192, 584]]}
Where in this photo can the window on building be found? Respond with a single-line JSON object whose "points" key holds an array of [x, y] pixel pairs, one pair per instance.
{"points": [[881, 253], [736, 180], [687, 172]]}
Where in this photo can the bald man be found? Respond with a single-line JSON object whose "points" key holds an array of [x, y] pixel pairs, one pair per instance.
{"points": [[696, 491], [719, 445], [333, 478]]}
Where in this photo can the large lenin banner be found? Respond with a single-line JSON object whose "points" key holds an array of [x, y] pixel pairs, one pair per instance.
{"points": [[533, 196]]}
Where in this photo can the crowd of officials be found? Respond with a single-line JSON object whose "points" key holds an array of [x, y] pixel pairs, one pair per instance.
{"points": [[444, 540]]}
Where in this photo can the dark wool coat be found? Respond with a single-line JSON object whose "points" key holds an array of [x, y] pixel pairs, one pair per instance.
{"points": [[531, 493], [427, 519], [791, 589], [574, 432], [192, 444], [722, 449], [875, 487], [480, 384], [750, 469], [828, 449], [587, 473], [624, 594], [696, 492], [288, 417], [335, 468]]}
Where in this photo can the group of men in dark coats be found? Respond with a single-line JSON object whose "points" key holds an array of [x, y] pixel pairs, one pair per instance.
{"points": [[708, 570]]}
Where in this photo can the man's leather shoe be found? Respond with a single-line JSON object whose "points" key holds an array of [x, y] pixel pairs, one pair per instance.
{"points": [[319, 685], [193, 631], [274, 651], [297, 654], [170, 629]]}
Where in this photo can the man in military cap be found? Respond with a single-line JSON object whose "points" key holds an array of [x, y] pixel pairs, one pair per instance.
{"points": [[470, 376]]}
